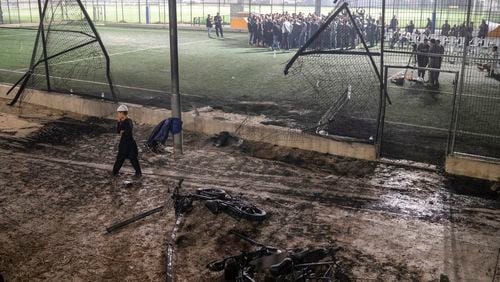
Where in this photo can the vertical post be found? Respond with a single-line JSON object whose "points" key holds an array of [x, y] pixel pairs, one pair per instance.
{"points": [[139, 9], [218, 6], [434, 8], [147, 11], [383, 74], [462, 78], [18, 12], [123, 14], [249, 7], [8, 11], [44, 42], [116, 11], [191, 11], [317, 7], [489, 11], [31, 14], [174, 72]]}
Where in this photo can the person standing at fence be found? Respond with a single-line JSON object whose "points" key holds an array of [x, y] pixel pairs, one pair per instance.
{"points": [[251, 34], [394, 23], [218, 25], [422, 57], [209, 25], [483, 30], [440, 52], [445, 29], [410, 27], [432, 62]]}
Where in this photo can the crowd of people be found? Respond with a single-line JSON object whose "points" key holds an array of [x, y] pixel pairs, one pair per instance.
{"points": [[287, 31]]}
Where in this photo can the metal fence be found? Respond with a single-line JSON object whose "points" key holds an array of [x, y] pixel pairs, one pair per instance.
{"points": [[195, 11], [425, 124]]}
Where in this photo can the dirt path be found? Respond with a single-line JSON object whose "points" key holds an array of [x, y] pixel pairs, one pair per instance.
{"points": [[392, 223]]}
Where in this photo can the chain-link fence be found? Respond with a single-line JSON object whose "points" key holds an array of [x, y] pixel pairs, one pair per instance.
{"points": [[433, 112]]}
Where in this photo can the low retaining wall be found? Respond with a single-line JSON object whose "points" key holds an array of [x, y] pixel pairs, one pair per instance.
{"points": [[472, 167], [249, 130], [203, 123]]}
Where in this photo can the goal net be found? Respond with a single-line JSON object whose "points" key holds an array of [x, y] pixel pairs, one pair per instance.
{"points": [[338, 74], [68, 55]]}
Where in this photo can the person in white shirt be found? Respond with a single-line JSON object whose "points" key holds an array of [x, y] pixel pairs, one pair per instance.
{"points": [[286, 28]]}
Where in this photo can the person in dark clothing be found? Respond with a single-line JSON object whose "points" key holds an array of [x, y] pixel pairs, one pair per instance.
{"points": [[209, 25], [445, 29], [394, 23], [218, 25], [429, 24], [276, 36], [410, 27], [422, 58], [483, 30], [127, 149], [440, 51], [434, 62]]}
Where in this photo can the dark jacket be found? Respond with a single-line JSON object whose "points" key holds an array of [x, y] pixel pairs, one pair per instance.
{"points": [[127, 144]]}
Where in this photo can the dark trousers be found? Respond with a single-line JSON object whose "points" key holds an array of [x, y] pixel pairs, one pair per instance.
{"points": [[218, 28], [120, 158]]}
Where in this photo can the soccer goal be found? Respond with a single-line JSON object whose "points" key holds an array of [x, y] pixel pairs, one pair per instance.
{"points": [[338, 72], [68, 55]]}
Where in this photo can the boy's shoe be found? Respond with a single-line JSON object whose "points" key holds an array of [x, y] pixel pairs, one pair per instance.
{"points": [[137, 176]]}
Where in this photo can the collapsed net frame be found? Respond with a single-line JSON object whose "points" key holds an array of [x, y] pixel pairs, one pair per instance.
{"points": [[68, 55], [339, 76]]}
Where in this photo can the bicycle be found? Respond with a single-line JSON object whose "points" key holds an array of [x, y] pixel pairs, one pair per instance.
{"points": [[297, 265], [216, 200]]}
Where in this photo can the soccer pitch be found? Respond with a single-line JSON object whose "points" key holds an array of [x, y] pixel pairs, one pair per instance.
{"points": [[230, 75]]}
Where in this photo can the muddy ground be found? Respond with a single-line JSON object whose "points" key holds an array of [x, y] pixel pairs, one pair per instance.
{"points": [[391, 223]]}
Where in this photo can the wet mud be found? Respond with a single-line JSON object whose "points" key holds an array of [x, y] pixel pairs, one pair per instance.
{"points": [[390, 223]]}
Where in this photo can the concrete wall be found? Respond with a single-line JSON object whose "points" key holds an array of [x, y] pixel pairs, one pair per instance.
{"points": [[204, 123], [471, 167], [251, 130]]}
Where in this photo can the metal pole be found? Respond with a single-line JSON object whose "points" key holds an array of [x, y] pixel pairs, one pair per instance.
{"points": [[434, 8], [174, 72], [44, 42], [18, 11], [489, 11], [1, 13], [383, 74], [462, 80], [8, 11], [31, 14]]}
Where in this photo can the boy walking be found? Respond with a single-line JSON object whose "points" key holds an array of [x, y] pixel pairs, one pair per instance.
{"points": [[127, 149]]}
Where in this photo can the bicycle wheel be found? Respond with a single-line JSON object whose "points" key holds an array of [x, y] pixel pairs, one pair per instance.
{"points": [[212, 193], [245, 211], [216, 265]]}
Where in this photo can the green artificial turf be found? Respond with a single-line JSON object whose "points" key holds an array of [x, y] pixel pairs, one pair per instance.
{"points": [[225, 72]]}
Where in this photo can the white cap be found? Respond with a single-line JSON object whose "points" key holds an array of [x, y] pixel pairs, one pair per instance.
{"points": [[122, 108]]}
